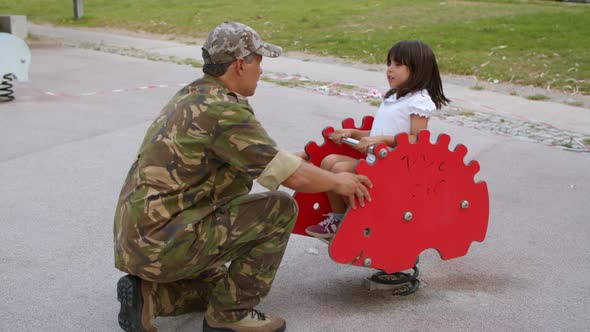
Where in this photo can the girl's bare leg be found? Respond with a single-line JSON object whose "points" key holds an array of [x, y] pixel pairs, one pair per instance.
{"points": [[331, 160]]}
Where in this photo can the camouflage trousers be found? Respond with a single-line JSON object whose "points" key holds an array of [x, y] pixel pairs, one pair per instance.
{"points": [[251, 232]]}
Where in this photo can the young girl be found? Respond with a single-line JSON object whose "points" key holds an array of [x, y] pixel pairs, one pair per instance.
{"points": [[416, 91]]}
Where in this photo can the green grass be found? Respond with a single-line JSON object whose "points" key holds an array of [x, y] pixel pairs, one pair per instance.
{"points": [[346, 86], [575, 103], [191, 62], [291, 83], [538, 97], [375, 103], [542, 43], [31, 37]]}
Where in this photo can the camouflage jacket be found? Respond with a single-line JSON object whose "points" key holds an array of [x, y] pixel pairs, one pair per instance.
{"points": [[203, 150]]}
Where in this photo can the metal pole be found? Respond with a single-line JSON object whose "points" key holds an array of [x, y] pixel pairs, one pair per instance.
{"points": [[370, 151], [78, 9]]}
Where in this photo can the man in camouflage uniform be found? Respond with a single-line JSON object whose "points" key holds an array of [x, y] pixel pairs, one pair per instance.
{"points": [[185, 208]]}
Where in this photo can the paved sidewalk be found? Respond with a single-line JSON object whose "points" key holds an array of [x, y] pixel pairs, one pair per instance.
{"points": [[542, 121]]}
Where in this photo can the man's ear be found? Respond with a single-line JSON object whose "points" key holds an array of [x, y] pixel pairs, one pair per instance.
{"points": [[239, 66]]}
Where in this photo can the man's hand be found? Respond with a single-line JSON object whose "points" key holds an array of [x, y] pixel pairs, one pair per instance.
{"points": [[353, 186], [311, 179]]}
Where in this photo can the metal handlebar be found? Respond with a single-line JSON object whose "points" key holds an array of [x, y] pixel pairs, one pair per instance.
{"points": [[355, 142], [350, 141]]}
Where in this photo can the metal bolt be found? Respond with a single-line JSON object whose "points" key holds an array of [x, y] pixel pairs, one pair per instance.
{"points": [[465, 204], [408, 216], [367, 262], [383, 153]]}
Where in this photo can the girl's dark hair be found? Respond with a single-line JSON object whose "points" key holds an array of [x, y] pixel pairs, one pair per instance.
{"points": [[420, 59]]}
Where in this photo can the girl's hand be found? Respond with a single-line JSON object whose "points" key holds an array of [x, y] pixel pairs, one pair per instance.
{"points": [[339, 134], [366, 142]]}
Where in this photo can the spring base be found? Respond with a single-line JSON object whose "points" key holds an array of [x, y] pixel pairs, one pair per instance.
{"points": [[6, 92], [401, 283]]}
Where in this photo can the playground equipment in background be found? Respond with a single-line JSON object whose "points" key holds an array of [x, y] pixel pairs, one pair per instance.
{"points": [[15, 58]]}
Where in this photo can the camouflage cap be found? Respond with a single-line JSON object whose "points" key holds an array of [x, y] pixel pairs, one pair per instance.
{"points": [[232, 40]]}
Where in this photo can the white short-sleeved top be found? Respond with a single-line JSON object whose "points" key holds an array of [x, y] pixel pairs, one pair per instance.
{"points": [[393, 116]]}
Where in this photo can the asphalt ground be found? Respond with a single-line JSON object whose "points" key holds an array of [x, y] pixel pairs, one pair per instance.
{"points": [[63, 161]]}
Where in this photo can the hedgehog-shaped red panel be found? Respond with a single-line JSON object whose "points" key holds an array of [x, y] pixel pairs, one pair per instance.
{"points": [[423, 196]]}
